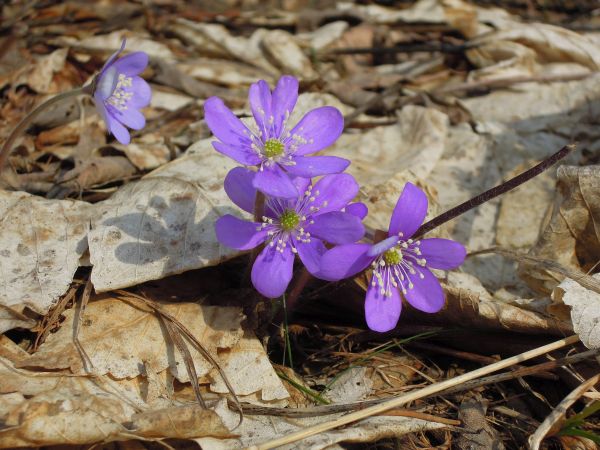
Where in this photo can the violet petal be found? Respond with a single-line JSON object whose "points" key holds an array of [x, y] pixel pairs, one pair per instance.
{"points": [[409, 213], [259, 97], [237, 233], [118, 130], [381, 312], [312, 166], [357, 209], [131, 118], [442, 254], [426, 294], [239, 188], [382, 246], [132, 64], [336, 190], [224, 124], [142, 94], [344, 261], [275, 182], [272, 271], [237, 153], [310, 254], [319, 129], [285, 96], [337, 227]]}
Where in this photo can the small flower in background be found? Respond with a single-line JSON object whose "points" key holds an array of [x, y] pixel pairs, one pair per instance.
{"points": [[399, 264], [290, 226], [119, 93], [273, 146]]}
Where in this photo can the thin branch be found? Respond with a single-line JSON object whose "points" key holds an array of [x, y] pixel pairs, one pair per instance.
{"points": [[495, 191]]}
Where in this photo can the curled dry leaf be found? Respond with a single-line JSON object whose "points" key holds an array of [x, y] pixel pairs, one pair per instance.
{"points": [[531, 47], [41, 242], [9, 319], [53, 408], [585, 310], [571, 238]]}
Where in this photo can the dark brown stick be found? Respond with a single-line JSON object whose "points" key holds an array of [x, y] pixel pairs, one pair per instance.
{"points": [[494, 192]]}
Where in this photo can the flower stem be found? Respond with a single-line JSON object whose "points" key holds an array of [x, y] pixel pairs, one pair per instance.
{"points": [[26, 121], [286, 331], [495, 191], [292, 299], [259, 212]]}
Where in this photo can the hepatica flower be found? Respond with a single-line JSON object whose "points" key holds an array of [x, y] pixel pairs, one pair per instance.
{"points": [[290, 226], [400, 265], [119, 93], [276, 149]]}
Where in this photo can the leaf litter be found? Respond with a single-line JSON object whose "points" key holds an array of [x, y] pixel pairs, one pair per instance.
{"points": [[455, 97]]}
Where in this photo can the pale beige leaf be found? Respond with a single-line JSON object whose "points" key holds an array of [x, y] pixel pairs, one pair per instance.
{"points": [[9, 319], [248, 369], [41, 242], [585, 310], [258, 429], [351, 386], [283, 49], [162, 224]]}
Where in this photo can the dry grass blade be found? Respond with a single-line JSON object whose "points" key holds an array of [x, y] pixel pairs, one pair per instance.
{"points": [[51, 320], [580, 277], [404, 399], [129, 296], [185, 354], [536, 439], [85, 298]]}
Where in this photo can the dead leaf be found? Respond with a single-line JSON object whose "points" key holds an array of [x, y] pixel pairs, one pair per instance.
{"points": [[9, 319], [163, 224], [585, 310], [571, 238], [41, 242], [119, 338]]}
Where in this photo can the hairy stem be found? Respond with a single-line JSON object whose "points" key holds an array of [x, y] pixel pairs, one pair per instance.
{"points": [[495, 191], [26, 121]]}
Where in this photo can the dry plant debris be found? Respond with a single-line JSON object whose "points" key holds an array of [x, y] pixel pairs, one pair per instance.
{"points": [[452, 96]]}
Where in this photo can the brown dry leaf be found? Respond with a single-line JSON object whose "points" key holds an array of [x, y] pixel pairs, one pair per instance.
{"points": [[46, 408], [40, 77], [149, 151], [119, 338], [585, 310], [471, 310], [41, 242], [572, 237]]}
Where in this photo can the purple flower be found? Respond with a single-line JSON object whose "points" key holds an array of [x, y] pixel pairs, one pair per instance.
{"points": [[290, 226], [119, 93], [399, 263], [273, 146]]}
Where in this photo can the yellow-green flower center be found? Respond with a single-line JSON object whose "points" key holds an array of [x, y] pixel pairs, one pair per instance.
{"points": [[273, 148], [392, 257], [289, 220]]}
